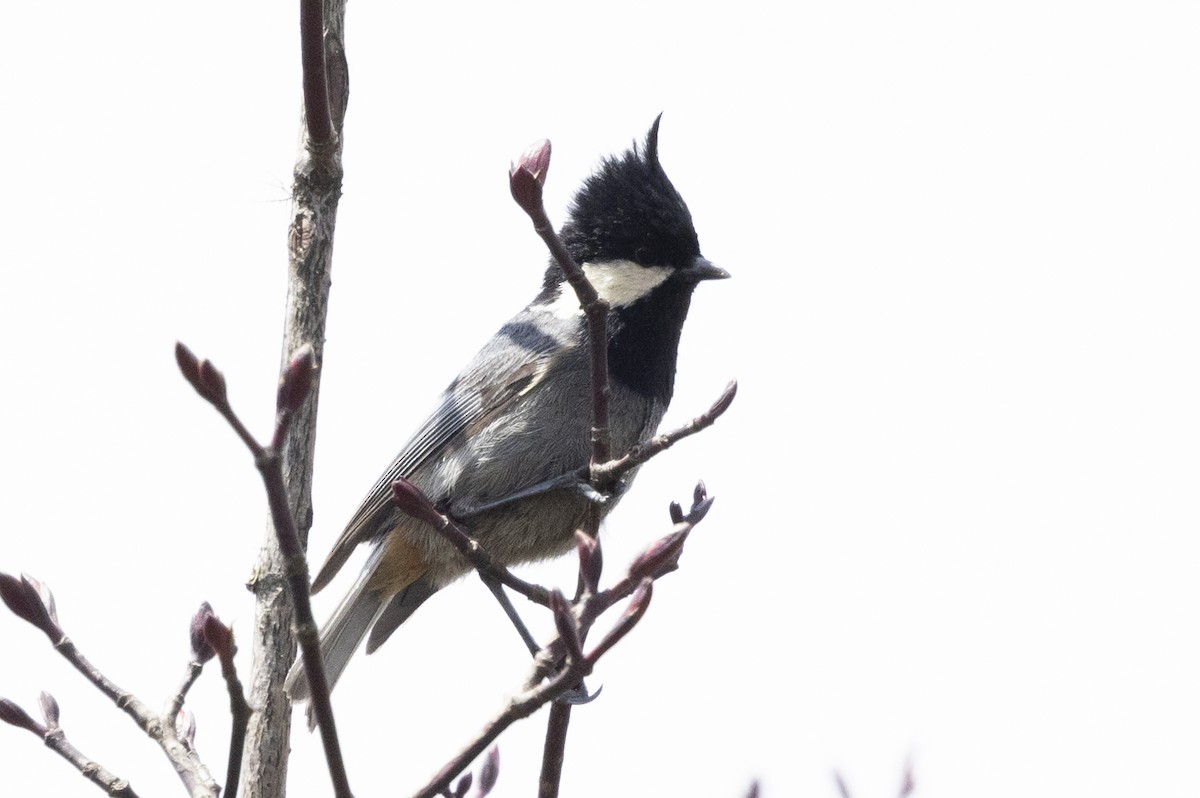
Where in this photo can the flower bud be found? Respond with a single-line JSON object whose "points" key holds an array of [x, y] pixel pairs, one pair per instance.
{"points": [[296, 380], [490, 772], [49, 709], [527, 177], [201, 650]]}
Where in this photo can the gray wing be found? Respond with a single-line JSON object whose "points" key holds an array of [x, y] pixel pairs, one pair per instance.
{"points": [[509, 367]]}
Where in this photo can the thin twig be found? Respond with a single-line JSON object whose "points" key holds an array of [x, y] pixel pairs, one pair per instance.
{"points": [[554, 750], [219, 638], [316, 83], [56, 740], [519, 707], [526, 181], [607, 473], [555, 672], [33, 602], [294, 387]]}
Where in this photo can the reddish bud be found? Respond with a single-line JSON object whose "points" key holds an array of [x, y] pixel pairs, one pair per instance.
{"points": [[201, 374], [12, 714], [189, 364], [527, 177], [536, 160], [661, 557], [49, 709], [634, 611], [463, 785], [219, 638], [489, 774], [412, 502], [212, 382], [201, 650], [31, 601], [591, 559], [296, 380], [568, 627]]}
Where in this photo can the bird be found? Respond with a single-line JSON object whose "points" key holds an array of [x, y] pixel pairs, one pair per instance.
{"points": [[500, 451]]}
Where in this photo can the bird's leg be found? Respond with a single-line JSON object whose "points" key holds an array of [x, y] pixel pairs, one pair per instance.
{"points": [[577, 694], [572, 480], [493, 584]]}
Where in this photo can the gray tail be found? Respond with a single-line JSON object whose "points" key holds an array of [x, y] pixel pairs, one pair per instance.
{"points": [[354, 617]]}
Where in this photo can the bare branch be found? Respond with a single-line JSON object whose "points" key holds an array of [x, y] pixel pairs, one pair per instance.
{"points": [[219, 638], [56, 740], [295, 383], [607, 473], [554, 750], [526, 180], [33, 602], [316, 87]]}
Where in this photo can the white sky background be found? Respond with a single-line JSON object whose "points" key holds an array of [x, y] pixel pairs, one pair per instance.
{"points": [[956, 508]]}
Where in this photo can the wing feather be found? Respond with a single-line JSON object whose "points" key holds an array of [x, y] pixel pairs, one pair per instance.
{"points": [[486, 389]]}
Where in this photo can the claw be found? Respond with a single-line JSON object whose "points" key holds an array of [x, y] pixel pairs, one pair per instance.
{"points": [[591, 494], [578, 695]]}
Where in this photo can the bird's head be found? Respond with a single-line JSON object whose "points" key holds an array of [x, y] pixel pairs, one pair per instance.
{"points": [[631, 230]]}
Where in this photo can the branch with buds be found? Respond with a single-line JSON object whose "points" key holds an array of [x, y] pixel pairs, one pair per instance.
{"points": [[565, 662], [526, 181], [294, 386], [31, 601], [56, 740]]}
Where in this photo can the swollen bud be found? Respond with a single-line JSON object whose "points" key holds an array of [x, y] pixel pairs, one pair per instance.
{"points": [[633, 613], [219, 638], [49, 709], [412, 502], [528, 175], [464, 784], [201, 650], [490, 772], [201, 374], [568, 627], [12, 714], [296, 380], [661, 557], [31, 601], [591, 560]]}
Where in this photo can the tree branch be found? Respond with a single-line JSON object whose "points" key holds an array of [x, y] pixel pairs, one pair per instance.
{"points": [[56, 740], [294, 387], [32, 601], [316, 189]]}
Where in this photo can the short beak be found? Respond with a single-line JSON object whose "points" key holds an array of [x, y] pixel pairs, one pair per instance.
{"points": [[703, 269]]}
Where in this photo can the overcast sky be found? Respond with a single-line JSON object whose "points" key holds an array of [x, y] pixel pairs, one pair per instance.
{"points": [[956, 517]]}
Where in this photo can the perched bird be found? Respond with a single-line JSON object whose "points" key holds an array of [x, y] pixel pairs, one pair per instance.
{"points": [[509, 431]]}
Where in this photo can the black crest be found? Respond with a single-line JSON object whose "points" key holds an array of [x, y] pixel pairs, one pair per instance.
{"points": [[628, 210]]}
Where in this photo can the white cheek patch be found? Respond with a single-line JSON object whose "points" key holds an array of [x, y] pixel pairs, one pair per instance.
{"points": [[618, 282]]}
